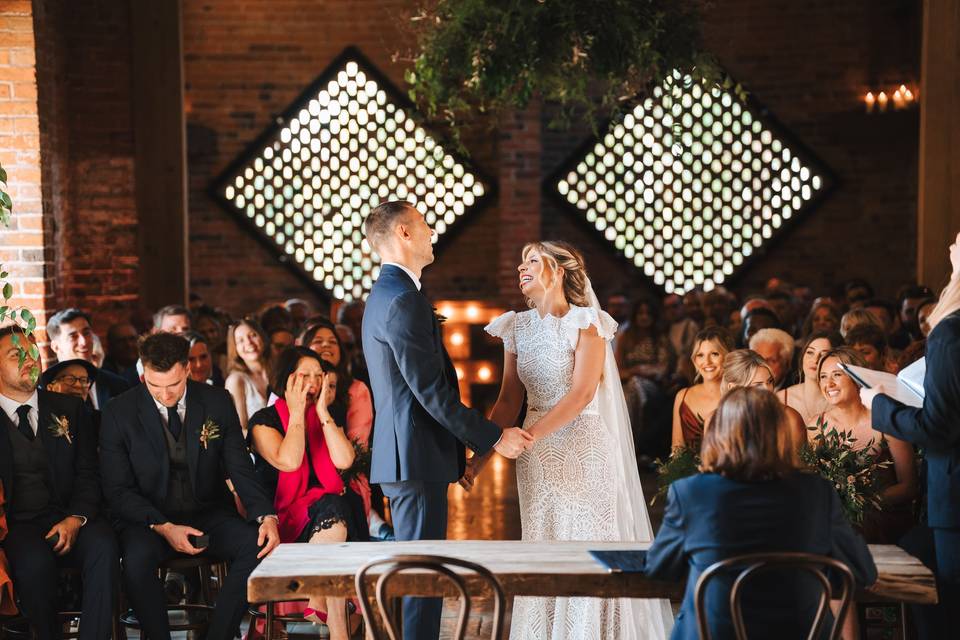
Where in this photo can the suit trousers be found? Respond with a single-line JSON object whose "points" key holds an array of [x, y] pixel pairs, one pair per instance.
{"points": [[419, 511], [232, 540], [35, 570]]}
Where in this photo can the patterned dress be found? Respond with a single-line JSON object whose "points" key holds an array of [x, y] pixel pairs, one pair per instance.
{"points": [[566, 483]]}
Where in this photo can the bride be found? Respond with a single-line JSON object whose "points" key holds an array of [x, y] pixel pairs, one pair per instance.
{"points": [[579, 480]]}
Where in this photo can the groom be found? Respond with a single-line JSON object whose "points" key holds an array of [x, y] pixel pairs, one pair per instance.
{"points": [[421, 426]]}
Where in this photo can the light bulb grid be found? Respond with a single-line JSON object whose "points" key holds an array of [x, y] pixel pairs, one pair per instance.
{"points": [[689, 184], [346, 145]]}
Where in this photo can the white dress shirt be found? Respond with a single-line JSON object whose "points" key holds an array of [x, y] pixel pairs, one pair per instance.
{"points": [[181, 409], [413, 277], [10, 407]]}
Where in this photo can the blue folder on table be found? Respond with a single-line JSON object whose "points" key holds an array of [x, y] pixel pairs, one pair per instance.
{"points": [[622, 561]]}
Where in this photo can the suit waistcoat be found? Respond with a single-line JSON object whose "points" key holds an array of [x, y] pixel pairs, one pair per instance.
{"points": [[180, 496], [29, 495]]}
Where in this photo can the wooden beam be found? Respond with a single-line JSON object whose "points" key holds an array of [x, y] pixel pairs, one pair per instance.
{"points": [[160, 151], [939, 187]]}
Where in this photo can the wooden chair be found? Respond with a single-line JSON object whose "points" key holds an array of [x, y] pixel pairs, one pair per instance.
{"points": [[389, 609], [753, 564]]}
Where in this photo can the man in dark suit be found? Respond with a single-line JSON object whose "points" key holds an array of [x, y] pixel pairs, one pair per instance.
{"points": [[167, 448], [48, 465], [421, 426], [71, 337]]}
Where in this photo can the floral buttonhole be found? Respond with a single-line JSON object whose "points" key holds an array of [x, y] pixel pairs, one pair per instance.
{"points": [[208, 432], [60, 428]]}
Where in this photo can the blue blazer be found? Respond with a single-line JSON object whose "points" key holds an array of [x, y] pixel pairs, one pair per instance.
{"points": [[709, 518], [935, 426], [421, 426]]}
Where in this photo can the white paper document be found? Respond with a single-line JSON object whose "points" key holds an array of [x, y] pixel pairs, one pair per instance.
{"points": [[906, 386]]}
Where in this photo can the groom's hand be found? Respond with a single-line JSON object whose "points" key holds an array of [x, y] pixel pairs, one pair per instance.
{"points": [[513, 442]]}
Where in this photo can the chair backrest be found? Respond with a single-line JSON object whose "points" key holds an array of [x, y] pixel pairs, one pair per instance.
{"points": [[417, 563], [753, 564]]}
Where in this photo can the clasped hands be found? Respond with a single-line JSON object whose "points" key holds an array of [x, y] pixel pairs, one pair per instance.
{"points": [[513, 442]]}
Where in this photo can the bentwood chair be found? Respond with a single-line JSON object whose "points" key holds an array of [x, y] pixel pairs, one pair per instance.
{"points": [[753, 564], [389, 605]]}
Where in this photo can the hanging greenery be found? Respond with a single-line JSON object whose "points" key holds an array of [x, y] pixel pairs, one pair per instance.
{"points": [[589, 56]]}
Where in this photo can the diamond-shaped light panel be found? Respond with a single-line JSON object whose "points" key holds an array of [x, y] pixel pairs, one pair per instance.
{"points": [[346, 145], [689, 184]]}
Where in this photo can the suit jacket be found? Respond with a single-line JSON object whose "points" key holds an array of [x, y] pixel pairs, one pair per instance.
{"points": [[135, 463], [421, 426], [709, 518], [72, 477], [109, 386], [936, 425]]}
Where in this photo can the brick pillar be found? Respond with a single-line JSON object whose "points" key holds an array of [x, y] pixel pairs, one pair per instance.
{"points": [[519, 196], [22, 243]]}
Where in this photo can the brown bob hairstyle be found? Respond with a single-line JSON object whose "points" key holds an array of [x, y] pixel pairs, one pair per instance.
{"points": [[747, 437]]}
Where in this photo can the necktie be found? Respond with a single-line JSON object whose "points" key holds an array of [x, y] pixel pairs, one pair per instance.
{"points": [[23, 414], [174, 426]]}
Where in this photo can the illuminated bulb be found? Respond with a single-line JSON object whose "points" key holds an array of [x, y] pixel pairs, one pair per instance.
{"points": [[484, 373], [446, 311], [870, 100], [456, 339], [473, 312]]}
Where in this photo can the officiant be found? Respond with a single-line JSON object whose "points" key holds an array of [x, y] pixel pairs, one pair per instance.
{"points": [[936, 428]]}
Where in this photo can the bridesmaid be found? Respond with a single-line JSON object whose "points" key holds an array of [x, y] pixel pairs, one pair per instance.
{"points": [[695, 404], [805, 396]]}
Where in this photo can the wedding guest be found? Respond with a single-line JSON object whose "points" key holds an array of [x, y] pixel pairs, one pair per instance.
{"points": [[121, 357], [73, 378], [173, 318], [751, 497], [823, 317], [888, 314], [281, 338], [694, 404], [299, 310], [936, 428], [212, 325], [806, 396], [167, 448], [783, 305], [898, 482], [248, 374], [776, 347], [692, 307], [646, 360], [276, 316], [48, 468], [351, 314], [856, 292], [909, 301], [97, 354], [856, 317], [681, 330], [746, 368], [200, 362], [757, 319], [303, 446], [924, 311], [871, 343], [71, 338]]}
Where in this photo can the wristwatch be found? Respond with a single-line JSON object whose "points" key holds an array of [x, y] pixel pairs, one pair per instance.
{"points": [[260, 519]]}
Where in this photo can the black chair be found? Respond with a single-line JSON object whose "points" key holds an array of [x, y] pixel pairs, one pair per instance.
{"points": [[753, 564], [389, 608]]}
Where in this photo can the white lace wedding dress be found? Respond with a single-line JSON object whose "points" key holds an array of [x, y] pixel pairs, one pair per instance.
{"points": [[568, 482]]}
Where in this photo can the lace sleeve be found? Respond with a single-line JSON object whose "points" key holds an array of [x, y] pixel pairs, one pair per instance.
{"points": [[582, 317], [503, 327]]}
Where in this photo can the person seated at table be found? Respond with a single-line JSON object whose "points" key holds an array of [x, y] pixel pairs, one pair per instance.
{"points": [[695, 404], [805, 396], [746, 368], [898, 482], [751, 497], [301, 449]]}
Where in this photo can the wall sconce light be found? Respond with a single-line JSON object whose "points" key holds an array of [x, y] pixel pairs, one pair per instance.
{"points": [[902, 98]]}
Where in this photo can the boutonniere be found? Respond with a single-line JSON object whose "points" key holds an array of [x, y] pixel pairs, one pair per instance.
{"points": [[208, 432], [60, 428]]}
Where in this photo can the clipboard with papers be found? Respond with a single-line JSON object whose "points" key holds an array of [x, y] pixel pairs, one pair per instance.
{"points": [[905, 387]]}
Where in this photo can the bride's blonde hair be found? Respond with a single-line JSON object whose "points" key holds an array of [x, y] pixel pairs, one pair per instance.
{"points": [[559, 255], [948, 303]]}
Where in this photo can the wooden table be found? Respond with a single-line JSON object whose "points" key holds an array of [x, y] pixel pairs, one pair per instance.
{"points": [[298, 571]]}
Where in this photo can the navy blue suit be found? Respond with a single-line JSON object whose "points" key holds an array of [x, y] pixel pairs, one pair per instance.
{"points": [[709, 518], [421, 427], [936, 428]]}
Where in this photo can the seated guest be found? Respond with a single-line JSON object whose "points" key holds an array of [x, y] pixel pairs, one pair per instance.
{"points": [[752, 498], [48, 468], [248, 373], [173, 318], [71, 338], [121, 357], [694, 405], [299, 310], [755, 320], [856, 292], [823, 318], [781, 299], [924, 311], [301, 448], [201, 364], [887, 313], [776, 347], [280, 339], [856, 317], [870, 342], [167, 448], [806, 396], [681, 330], [746, 368], [909, 301], [211, 324], [73, 378], [898, 482]]}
